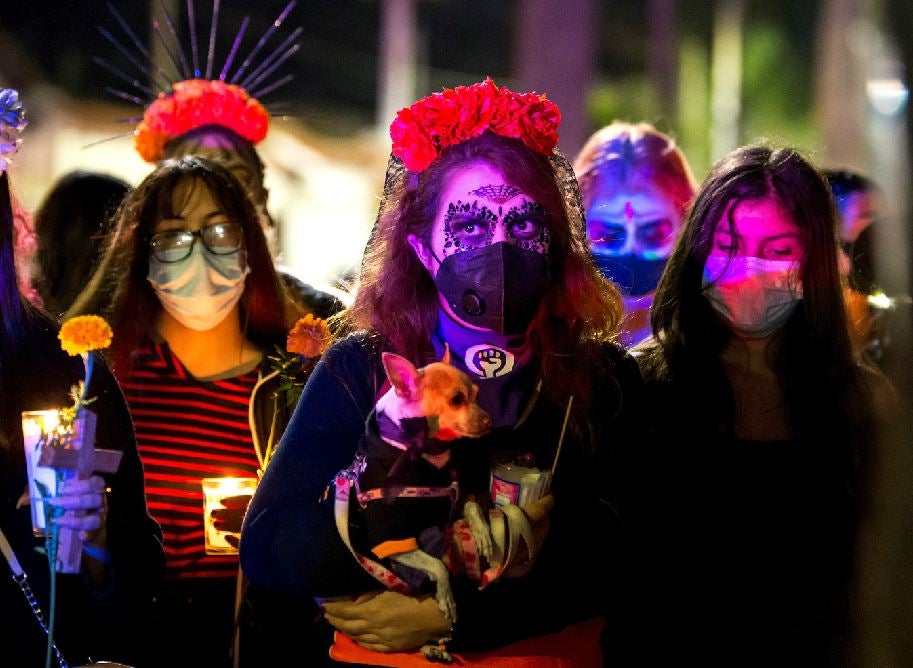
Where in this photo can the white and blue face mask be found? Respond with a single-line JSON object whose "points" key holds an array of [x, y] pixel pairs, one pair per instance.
{"points": [[754, 296], [202, 289]]}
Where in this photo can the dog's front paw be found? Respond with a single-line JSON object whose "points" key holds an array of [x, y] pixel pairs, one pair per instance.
{"points": [[445, 601], [478, 526]]}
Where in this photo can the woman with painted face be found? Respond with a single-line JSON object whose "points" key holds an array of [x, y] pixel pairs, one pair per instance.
{"points": [[196, 304], [636, 186], [479, 248], [753, 481]]}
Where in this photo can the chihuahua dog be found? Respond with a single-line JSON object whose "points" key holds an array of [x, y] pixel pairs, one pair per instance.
{"points": [[405, 483]]}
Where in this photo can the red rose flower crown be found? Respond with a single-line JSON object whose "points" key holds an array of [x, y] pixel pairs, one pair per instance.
{"points": [[423, 130]]}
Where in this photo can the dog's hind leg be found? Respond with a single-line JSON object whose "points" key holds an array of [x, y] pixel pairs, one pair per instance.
{"points": [[437, 572]]}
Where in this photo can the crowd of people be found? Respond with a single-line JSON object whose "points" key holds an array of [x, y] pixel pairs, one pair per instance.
{"points": [[684, 367]]}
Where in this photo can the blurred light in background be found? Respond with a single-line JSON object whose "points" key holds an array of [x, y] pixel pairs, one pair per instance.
{"points": [[888, 96]]}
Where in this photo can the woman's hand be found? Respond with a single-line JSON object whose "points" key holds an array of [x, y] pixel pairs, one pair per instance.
{"points": [[386, 621], [88, 496], [538, 515], [230, 518]]}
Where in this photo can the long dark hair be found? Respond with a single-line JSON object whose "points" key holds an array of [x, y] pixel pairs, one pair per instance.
{"points": [[397, 298], [26, 336], [133, 307], [71, 224], [193, 141], [12, 308], [821, 380]]}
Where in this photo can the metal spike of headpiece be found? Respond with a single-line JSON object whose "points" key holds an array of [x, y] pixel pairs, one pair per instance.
{"points": [[193, 98]]}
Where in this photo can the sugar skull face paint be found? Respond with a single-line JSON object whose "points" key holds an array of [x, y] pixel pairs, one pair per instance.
{"points": [[479, 209], [468, 226], [631, 233], [487, 251], [637, 222]]}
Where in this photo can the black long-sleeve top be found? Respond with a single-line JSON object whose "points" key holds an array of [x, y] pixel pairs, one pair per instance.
{"points": [[289, 541], [102, 623]]}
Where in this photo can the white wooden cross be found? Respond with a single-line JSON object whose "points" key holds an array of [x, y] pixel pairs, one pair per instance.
{"points": [[79, 457]]}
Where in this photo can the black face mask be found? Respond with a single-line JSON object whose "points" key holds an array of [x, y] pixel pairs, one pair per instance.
{"points": [[634, 275], [497, 287]]}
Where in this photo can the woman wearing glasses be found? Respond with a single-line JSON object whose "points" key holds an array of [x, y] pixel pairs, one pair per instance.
{"points": [[195, 303]]}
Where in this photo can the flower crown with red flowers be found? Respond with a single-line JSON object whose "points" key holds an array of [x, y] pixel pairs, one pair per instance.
{"points": [[422, 131], [197, 98], [193, 104]]}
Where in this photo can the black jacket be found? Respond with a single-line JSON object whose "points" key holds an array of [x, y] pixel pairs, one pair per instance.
{"points": [[102, 624]]}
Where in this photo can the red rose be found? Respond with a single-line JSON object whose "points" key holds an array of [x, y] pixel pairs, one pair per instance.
{"points": [[410, 141], [420, 132]]}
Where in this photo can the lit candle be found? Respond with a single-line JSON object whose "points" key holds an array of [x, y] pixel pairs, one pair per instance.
{"points": [[215, 490]]}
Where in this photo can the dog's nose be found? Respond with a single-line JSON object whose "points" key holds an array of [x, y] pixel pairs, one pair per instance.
{"points": [[486, 421]]}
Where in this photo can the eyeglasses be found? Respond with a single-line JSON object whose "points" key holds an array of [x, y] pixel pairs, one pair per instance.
{"points": [[176, 245]]}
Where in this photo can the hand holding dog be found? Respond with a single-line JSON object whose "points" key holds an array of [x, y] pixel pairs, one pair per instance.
{"points": [[386, 621], [538, 513]]}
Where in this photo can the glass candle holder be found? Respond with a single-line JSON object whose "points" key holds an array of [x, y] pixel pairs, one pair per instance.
{"points": [[59, 446], [215, 490], [40, 428], [516, 480]]}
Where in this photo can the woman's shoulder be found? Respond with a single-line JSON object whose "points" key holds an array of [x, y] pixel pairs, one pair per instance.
{"points": [[613, 362], [355, 355], [356, 346]]}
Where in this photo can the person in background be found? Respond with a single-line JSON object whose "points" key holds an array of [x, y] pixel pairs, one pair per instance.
{"points": [[240, 156], [636, 186], [480, 248], [71, 223], [221, 116], [859, 204], [196, 305], [100, 611], [752, 481]]}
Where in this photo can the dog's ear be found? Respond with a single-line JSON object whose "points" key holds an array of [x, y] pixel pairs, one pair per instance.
{"points": [[405, 378], [446, 358]]}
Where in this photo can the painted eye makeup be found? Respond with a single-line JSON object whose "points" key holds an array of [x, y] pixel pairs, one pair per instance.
{"points": [[526, 221], [607, 237], [654, 234], [527, 225], [467, 226]]}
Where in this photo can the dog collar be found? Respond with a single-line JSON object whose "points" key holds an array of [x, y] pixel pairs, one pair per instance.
{"points": [[412, 430]]}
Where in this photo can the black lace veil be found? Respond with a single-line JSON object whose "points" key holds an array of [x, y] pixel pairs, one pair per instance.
{"points": [[398, 180]]}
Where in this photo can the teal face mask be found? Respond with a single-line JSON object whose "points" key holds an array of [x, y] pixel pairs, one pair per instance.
{"points": [[202, 289]]}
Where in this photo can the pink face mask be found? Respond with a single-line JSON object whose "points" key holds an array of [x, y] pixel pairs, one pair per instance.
{"points": [[754, 296]]}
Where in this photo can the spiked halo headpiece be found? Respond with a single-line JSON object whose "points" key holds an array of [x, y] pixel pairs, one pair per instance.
{"points": [[190, 98]]}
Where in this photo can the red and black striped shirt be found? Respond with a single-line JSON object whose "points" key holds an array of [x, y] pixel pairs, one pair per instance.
{"points": [[188, 429]]}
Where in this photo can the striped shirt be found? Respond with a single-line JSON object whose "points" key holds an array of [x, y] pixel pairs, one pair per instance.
{"points": [[188, 429]]}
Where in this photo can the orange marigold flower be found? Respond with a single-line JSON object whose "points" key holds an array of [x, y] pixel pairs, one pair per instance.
{"points": [[84, 333], [309, 337]]}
